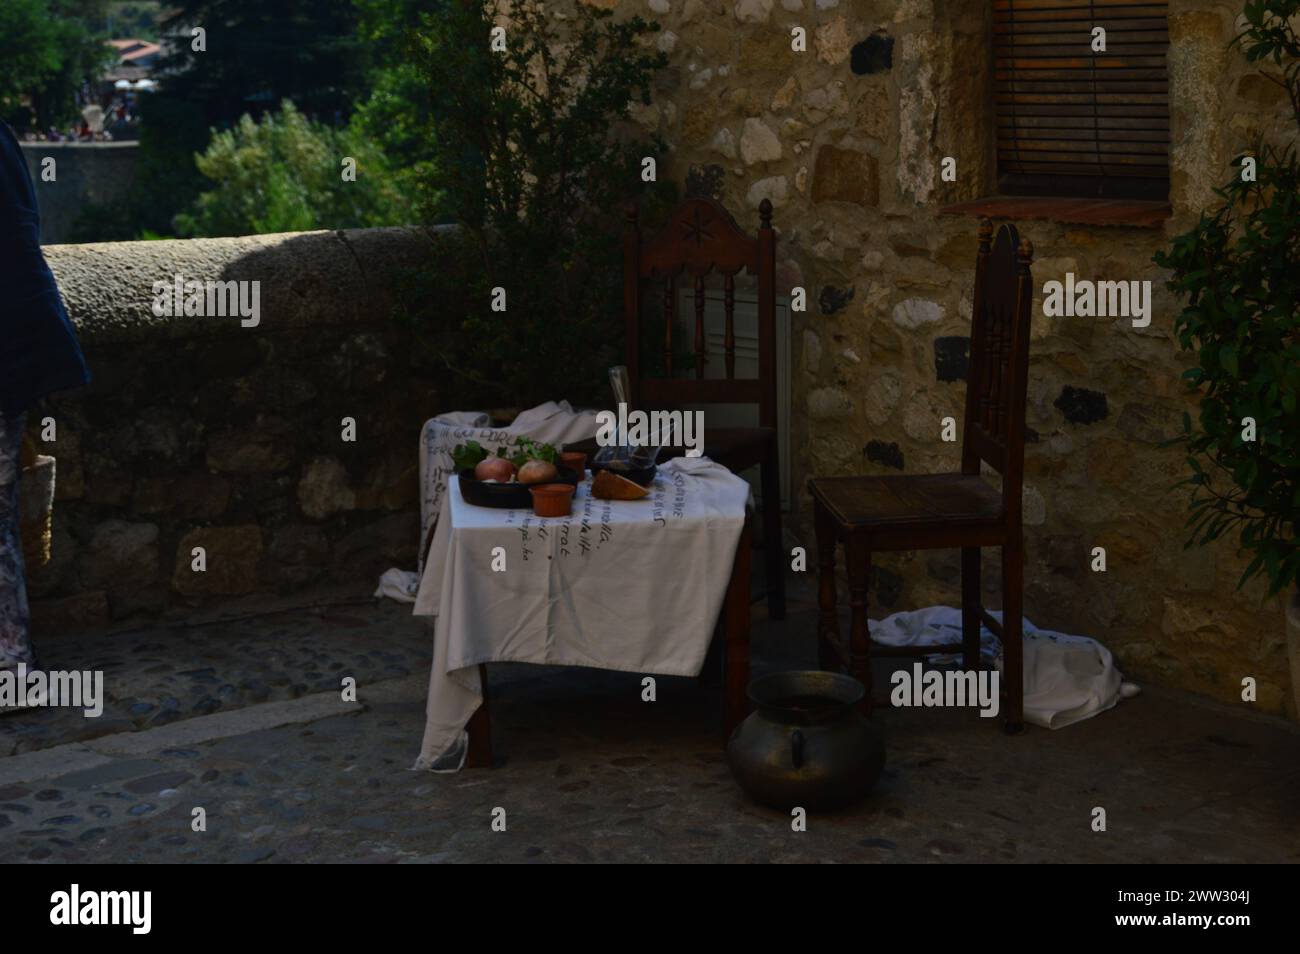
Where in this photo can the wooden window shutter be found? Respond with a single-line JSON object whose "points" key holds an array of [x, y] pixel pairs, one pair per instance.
{"points": [[1074, 122]]}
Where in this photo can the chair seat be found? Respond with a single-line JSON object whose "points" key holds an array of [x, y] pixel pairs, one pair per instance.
{"points": [[914, 503]]}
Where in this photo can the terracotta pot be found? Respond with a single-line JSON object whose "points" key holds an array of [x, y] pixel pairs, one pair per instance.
{"points": [[552, 500], [36, 511], [1293, 649], [576, 462]]}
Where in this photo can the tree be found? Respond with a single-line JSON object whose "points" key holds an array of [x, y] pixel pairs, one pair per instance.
{"points": [[398, 115], [48, 48], [256, 53], [284, 174], [532, 156]]}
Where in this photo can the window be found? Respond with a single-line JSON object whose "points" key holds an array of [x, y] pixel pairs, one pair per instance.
{"points": [[1075, 122]]}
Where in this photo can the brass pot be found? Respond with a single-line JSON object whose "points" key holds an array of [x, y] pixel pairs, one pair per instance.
{"points": [[805, 745]]}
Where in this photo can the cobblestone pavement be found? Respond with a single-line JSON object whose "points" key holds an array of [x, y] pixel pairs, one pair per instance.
{"points": [[587, 771], [158, 676]]}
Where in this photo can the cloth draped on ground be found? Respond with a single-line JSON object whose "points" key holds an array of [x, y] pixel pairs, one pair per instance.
{"points": [[634, 586], [551, 423], [15, 642], [1067, 678]]}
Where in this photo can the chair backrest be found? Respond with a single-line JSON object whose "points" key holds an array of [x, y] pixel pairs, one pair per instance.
{"points": [[700, 237], [999, 360]]}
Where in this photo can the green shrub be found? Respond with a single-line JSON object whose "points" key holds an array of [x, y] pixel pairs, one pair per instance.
{"points": [[531, 154], [284, 174]]}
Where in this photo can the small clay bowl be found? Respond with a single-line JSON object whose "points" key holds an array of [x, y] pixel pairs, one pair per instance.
{"points": [[576, 462], [552, 500]]}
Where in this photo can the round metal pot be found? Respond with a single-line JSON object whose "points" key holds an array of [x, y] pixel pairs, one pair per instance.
{"points": [[805, 745]]}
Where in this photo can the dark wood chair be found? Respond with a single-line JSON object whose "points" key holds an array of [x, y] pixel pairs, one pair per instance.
{"points": [[702, 237], [937, 511]]}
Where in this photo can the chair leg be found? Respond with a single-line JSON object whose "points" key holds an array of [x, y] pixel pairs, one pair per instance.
{"points": [[1013, 667], [970, 607], [828, 625], [773, 544], [480, 730], [857, 559], [735, 613]]}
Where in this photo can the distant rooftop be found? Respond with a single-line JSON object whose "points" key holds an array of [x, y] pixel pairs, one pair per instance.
{"points": [[132, 50]]}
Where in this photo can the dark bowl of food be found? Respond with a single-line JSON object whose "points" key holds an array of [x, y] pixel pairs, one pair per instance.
{"points": [[644, 476], [507, 496], [637, 464]]}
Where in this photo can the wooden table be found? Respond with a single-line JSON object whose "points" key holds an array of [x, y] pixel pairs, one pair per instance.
{"points": [[735, 626]]}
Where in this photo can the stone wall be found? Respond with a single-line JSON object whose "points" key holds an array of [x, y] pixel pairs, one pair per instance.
{"points": [[101, 173], [847, 140], [200, 432]]}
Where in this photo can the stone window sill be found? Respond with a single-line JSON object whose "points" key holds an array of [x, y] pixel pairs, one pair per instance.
{"points": [[1135, 213]]}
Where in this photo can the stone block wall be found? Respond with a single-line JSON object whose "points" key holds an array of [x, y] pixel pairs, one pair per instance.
{"points": [[847, 139], [199, 432], [101, 173]]}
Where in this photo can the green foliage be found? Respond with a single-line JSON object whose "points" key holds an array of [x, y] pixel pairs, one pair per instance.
{"points": [[47, 49], [469, 455], [520, 451], [257, 55], [398, 113], [525, 449], [284, 174], [260, 53], [528, 157], [134, 19], [1239, 271]]}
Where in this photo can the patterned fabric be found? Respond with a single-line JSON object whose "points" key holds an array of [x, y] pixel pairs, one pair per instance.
{"points": [[15, 646]]}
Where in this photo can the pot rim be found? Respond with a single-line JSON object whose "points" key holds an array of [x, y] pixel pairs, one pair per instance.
{"points": [[841, 692], [552, 490]]}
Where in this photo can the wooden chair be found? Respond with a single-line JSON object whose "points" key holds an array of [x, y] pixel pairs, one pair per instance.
{"points": [[700, 237], [938, 511]]}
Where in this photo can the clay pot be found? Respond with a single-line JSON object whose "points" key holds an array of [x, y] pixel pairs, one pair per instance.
{"points": [[552, 500], [806, 745], [576, 462]]}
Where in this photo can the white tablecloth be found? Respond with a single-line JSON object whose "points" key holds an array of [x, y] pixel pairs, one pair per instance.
{"points": [[627, 585]]}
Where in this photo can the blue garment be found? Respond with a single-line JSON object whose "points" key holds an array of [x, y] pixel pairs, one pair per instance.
{"points": [[38, 344]]}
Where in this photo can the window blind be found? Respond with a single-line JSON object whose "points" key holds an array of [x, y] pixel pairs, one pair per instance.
{"points": [[1071, 121]]}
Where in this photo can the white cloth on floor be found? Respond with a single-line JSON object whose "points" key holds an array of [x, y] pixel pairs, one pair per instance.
{"points": [[629, 585], [1067, 678], [552, 423], [399, 585]]}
